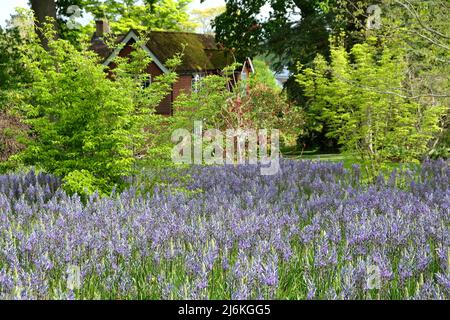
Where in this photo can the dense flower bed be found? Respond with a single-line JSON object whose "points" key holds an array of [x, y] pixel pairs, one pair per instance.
{"points": [[312, 231]]}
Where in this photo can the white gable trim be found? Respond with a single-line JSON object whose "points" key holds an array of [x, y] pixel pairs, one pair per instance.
{"points": [[248, 64], [251, 65], [129, 36]]}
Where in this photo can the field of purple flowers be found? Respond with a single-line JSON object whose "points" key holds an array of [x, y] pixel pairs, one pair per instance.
{"points": [[313, 231]]}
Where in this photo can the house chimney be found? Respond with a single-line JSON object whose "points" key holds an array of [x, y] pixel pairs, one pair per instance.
{"points": [[102, 27]]}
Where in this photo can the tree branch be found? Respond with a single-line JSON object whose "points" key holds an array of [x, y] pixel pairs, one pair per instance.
{"points": [[411, 10]]}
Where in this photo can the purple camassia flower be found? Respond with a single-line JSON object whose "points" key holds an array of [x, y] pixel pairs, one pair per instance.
{"points": [[444, 281], [428, 291], [312, 217]]}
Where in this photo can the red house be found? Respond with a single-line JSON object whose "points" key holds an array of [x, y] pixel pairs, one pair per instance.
{"points": [[202, 56]]}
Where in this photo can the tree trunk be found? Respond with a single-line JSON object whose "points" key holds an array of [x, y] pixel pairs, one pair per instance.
{"points": [[43, 9]]}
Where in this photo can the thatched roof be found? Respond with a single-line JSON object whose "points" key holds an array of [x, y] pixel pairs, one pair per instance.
{"points": [[201, 53]]}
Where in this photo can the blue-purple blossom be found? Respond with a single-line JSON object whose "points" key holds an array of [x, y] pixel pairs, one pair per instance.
{"points": [[226, 232]]}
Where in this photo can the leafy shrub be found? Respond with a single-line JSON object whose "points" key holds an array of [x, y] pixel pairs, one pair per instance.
{"points": [[83, 183], [247, 105], [263, 75], [88, 126], [12, 71], [359, 96]]}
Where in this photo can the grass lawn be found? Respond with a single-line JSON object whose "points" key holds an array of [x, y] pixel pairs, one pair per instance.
{"points": [[293, 153]]}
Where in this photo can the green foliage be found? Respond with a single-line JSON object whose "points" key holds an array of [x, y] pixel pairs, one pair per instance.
{"points": [[422, 30], [285, 34], [123, 15], [291, 32], [204, 18], [251, 104], [209, 103], [12, 75], [149, 15], [264, 75], [64, 14], [87, 127], [12, 71], [359, 95], [419, 27], [83, 183]]}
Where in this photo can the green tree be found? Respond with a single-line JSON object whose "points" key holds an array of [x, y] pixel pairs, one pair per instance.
{"points": [[296, 31], [422, 30], [12, 75], [264, 75], [359, 95], [12, 71], [205, 17], [249, 105], [285, 31], [142, 15], [293, 30], [123, 14], [86, 126], [58, 11]]}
